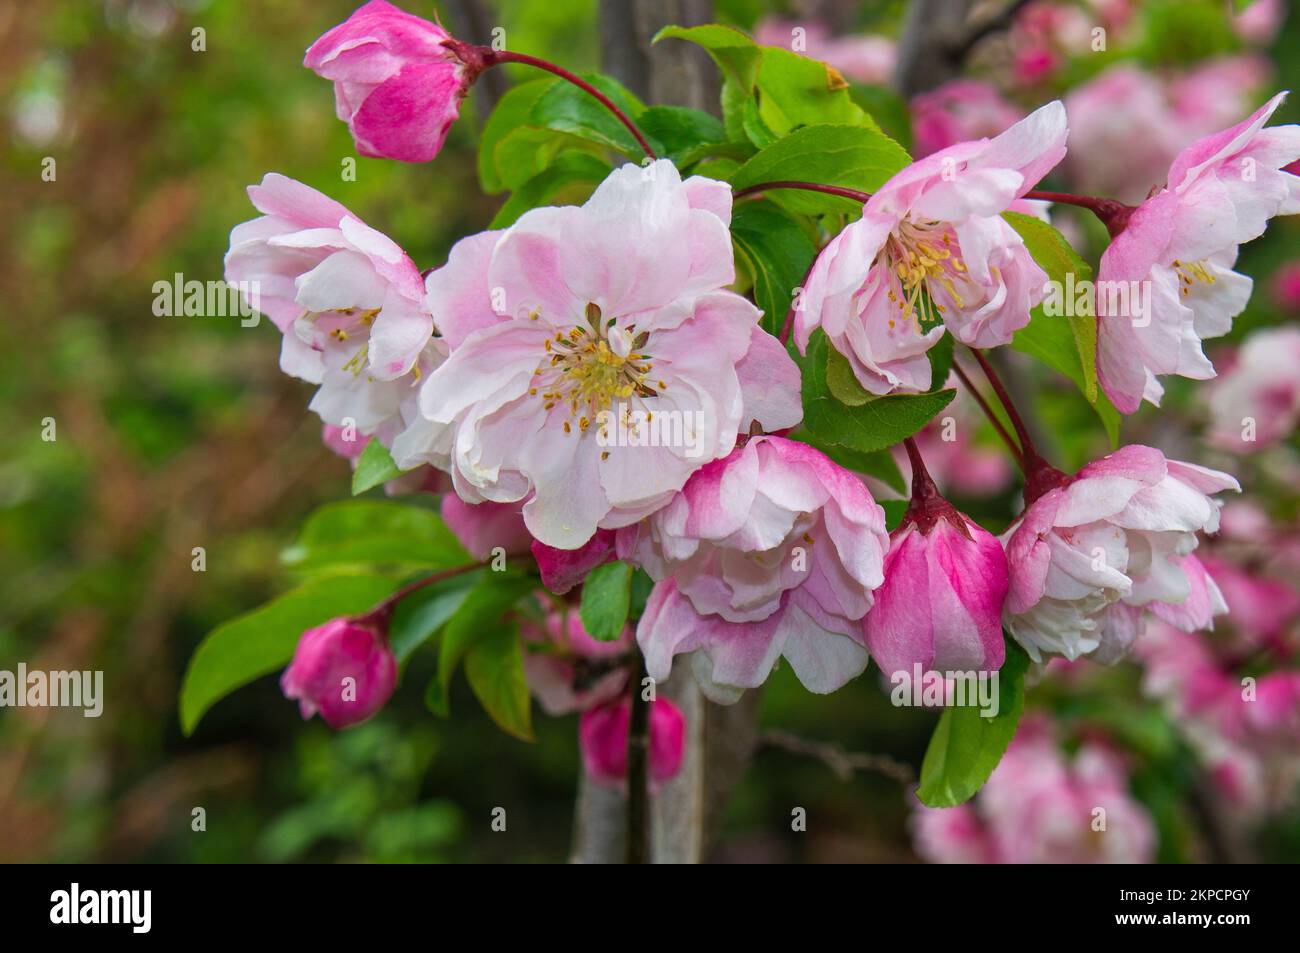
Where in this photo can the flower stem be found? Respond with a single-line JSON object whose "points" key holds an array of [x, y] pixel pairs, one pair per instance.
{"points": [[1114, 215], [988, 412], [842, 192], [380, 614], [638, 750], [490, 57], [1040, 476]]}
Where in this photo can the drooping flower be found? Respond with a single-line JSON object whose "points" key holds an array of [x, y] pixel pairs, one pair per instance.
{"points": [[1091, 553], [940, 606], [771, 552], [397, 82], [595, 363], [930, 252], [1257, 400], [568, 670], [1178, 249], [602, 737], [562, 569], [348, 299], [343, 669]]}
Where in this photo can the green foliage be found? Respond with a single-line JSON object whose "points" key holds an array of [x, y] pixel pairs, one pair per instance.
{"points": [[966, 746], [566, 108], [370, 534], [511, 112], [374, 466], [494, 667], [795, 91], [607, 600], [777, 254], [867, 423], [734, 52], [570, 179], [262, 641], [876, 463]]}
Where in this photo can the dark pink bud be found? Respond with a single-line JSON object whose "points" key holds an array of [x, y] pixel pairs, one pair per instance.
{"points": [[343, 669]]}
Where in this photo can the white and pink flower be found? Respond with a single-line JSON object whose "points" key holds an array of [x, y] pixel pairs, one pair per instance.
{"points": [[930, 252], [1256, 402], [771, 552], [1092, 552], [568, 670], [577, 335], [1180, 246]]}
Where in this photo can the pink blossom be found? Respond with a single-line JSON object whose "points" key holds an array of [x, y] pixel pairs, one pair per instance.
{"points": [[1260, 606], [343, 669], [1274, 715], [397, 83], [1286, 288], [602, 736], [348, 299], [959, 111], [1259, 21], [484, 527], [932, 251], [1256, 402], [345, 441], [568, 670], [1087, 556], [1213, 94], [1039, 807], [773, 551], [562, 569], [1179, 246], [595, 363], [940, 606]]}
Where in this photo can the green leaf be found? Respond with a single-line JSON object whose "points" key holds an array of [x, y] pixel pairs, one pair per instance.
{"points": [[685, 134], [736, 54], [572, 176], [878, 463], [527, 151], [778, 255], [374, 466], [511, 112], [494, 667], [373, 533], [966, 746], [606, 601], [480, 613], [642, 585], [1066, 344], [873, 424], [566, 108], [796, 91], [940, 355], [420, 615], [263, 641], [854, 157]]}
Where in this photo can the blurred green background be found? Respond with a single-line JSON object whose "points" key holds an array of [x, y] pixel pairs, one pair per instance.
{"points": [[181, 432]]}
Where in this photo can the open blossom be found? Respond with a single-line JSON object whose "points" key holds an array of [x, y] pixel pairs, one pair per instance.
{"points": [[771, 552], [595, 363], [397, 84], [932, 251], [483, 528], [1180, 245], [1087, 556], [1040, 806], [602, 736], [940, 606], [344, 670], [568, 670], [1257, 401], [349, 302]]}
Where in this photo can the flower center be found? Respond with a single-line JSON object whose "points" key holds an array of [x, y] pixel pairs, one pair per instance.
{"points": [[1190, 272], [343, 327], [922, 263], [591, 368]]}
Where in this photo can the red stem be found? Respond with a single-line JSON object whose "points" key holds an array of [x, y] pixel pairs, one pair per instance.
{"points": [[491, 57], [379, 614], [988, 412], [1040, 476], [842, 192], [1114, 215]]}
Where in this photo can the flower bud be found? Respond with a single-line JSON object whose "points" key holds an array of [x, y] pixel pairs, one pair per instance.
{"points": [[343, 669], [602, 735]]}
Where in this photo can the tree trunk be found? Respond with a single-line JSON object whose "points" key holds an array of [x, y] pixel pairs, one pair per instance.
{"points": [[720, 740]]}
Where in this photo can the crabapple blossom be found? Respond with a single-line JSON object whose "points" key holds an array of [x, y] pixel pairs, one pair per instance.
{"points": [[940, 606], [349, 302], [1256, 402], [343, 669], [1092, 551], [773, 551], [568, 670], [397, 82], [602, 736], [1181, 244], [562, 569], [931, 251], [595, 361], [958, 111], [483, 527]]}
